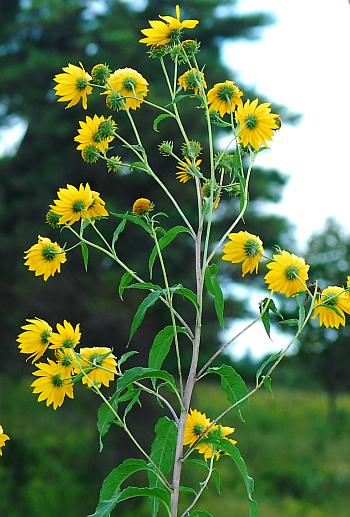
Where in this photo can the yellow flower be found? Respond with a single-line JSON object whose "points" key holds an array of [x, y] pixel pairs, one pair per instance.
{"points": [[73, 204], [161, 32], [142, 206], [191, 80], [73, 85], [246, 248], [66, 336], [224, 97], [99, 365], [45, 257], [66, 359], [130, 84], [89, 134], [185, 169], [35, 338], [288, 274], [209, 450], [97, 207], [195, 427], [52, 385], [331, 306], [3, 439], [256, 123]]}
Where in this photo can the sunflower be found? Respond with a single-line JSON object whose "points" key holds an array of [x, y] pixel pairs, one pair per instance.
{"points": [[209, 450], [90, 134], [52, 384], [224, 97], [97, 207], [191, 80], [246, 248], [73, 85], [73, 204], [98, 364], [66, 336], [288, 274], [195, 427], [66, 359], [130, 84], [35, 338], [45, 257], [142, 206], [162, 32], [331, 305], [185, 171], [256, 123], [3, 439]]}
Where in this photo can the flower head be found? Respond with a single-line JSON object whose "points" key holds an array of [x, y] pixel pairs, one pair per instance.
{"points": [[3, 439], [185, 169], [209, 450], [99, 365], [191, 80], [35, 338], [331, 306], [66, 359], [89, 134], [256, 123], [288, 274], [142, 206], [165, 31], [130, 85], [52, 384], [97, 207], [45, 257], [66, 336], [244, 248], [73, 85], [224, 97], [100, 74], [73, 204], [196, 424]]}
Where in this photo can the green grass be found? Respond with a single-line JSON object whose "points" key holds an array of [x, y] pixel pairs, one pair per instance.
{"points": [[298, 456]]}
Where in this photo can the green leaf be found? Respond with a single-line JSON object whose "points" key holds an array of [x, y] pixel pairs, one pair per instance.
{"points": [[268, 385], [301, 318], [105, 418], [267, 305], [161, 346], [162, 454], [232, 384], [217, 480], [85, 253], [242, 182], [141, 311], [269, 360], [126, 356], [290, 323], [139, 165], [145, 285], [163, 242], [134, 400], [124, 282], [158, 119], [214, 288], [186, 293], [119, 229], [138, 373], [134, 219]]}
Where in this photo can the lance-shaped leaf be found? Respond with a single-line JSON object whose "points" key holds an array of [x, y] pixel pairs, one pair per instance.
{"points": [[134, 219], [141, 311], [232, 384], [163, 242], [125, 280], [162, 454], [85, 253], [214, 288], [265, 306], [119, 229], [139, 373], [186, 293], [161, 346], [159, 118]]}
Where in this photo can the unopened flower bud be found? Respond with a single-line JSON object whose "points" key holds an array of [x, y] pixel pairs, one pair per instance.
{"points": [[53, 219], [166, 148], [192, 149], [114, 164], [115, 101]]}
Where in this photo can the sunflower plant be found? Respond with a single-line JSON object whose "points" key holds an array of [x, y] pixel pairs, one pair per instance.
{"points": [[57, 350]]}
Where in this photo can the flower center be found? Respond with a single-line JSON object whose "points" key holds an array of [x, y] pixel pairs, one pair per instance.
{"points": [[226, 93], [198, 429], [49, 253], [129, 84], [68, 343], [81, 83], [78, 206], [291, 272], [45, 336], [251, 248], [57, 381], [251, 121]]}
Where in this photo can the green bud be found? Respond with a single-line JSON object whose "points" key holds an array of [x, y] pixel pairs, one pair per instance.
{"points": [[166, 148], [115, 101], [100, 74], [90, 154], [53, 219], [191, 46], [233, 190], [192, 149], [114, 164], [157, 52]]}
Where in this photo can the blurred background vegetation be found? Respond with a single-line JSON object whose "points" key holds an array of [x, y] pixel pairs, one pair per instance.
{"points": [[296, 445]]}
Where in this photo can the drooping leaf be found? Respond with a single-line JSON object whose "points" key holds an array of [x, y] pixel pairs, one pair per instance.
{"points": [[124, 282], [162, 454], [265, 306], [139, 165], [159, 118], [105, 418], [134, 400], [214, 288], [125, 357], [290, 323], [186, 293], [232, 384], [268, 385], [145, 285], [134, 219], [161, 346], [163, 242], [141, 311], [269, 360], [85, 253], [119, 229], [139, 373]]}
